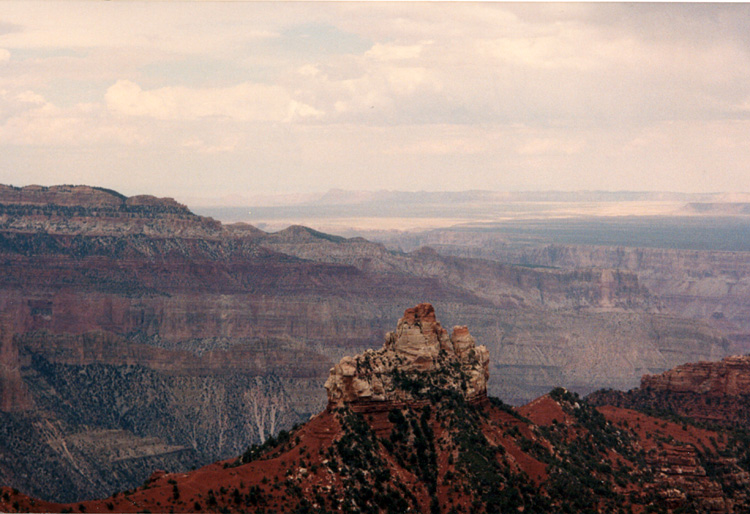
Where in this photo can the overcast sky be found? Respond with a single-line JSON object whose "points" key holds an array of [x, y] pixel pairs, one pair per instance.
{"points": [[209, 99]]}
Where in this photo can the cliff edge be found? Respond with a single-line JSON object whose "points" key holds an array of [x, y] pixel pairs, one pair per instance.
{"points": [[95, 211]]}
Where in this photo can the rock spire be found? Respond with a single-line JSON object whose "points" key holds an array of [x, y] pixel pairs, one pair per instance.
{"points": [[418, 358]]}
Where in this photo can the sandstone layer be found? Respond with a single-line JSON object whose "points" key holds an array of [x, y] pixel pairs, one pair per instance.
{"points": [[419, 355], [97, 211]]}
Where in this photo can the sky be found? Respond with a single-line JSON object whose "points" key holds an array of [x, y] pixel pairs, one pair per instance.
{"points": [[211, 99]]}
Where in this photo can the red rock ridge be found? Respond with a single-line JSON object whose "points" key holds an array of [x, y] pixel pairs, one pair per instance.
{"points": [[424, 312], [728, 377]]}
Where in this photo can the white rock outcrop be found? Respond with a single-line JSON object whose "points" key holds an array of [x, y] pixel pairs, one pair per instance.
{"points": [[418, 358]]}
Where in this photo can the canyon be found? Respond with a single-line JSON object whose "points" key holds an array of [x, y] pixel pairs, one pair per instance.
{"points": [[697, 265], [137, 335], [432, 440]]}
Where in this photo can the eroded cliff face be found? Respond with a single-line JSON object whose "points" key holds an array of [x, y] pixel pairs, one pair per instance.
{"points": [[97, 211], [689, 467], [707, 285], [543, 326], [418, 355], [504, 285], [14, 395], [445, 452], [716, 395], [408, 427]]}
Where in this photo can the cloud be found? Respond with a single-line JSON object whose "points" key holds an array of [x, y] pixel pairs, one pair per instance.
{"points": [[28, 119], [441, 146], [226, 145], [9, 28], [380, 86], [244, 102], [13, 103], [556, 63], [522, 95]]}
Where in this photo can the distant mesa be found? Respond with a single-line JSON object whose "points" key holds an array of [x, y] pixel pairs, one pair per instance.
{"points": [[718, 208], [79, 196], [418, 360], [87, 210]]}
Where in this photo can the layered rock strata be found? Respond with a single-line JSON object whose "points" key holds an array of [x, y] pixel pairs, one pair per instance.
{"points": [[418, 355], [95, 211], [728, 377]]}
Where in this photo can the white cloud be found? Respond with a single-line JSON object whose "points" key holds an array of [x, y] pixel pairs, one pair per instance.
{"points": [[228, 144], [375, 87], [150, 27], [63, 128], [15, 103], [30, 97], [244, 102], [28, 118], [435, 146], [522, 95]]}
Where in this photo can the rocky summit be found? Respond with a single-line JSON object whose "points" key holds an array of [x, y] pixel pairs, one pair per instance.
{"points": [[417, 356]]}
